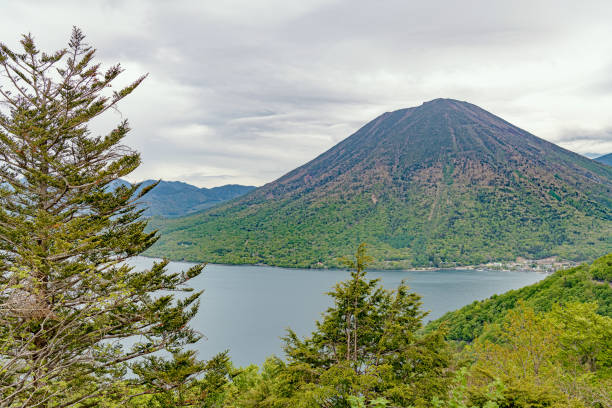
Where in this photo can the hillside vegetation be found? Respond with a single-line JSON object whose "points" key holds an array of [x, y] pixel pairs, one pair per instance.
{"points": [[585, 283], [442, 184]]}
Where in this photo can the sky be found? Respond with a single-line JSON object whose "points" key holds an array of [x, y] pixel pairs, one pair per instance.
{"points": [[243, 91]]}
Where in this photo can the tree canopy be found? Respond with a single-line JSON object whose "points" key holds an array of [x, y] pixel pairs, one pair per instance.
{"points": [[76, 319]]}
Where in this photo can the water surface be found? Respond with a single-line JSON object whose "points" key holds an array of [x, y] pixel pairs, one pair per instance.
{"points": [[246, 309]]}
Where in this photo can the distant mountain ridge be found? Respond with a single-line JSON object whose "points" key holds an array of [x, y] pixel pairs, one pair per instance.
{"points": [[442, 184], [175, 198], [605, 159]]}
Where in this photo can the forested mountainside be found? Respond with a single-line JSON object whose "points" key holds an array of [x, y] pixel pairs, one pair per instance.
{"points": [[585, 283], [442, 184], [605, 159], [176, 199]]}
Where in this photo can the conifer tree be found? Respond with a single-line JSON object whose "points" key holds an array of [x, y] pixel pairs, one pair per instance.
{"points": [[78, 326], [367, 347]]}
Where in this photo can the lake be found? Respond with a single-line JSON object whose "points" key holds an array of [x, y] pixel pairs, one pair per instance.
{"points": [[246, 309]]}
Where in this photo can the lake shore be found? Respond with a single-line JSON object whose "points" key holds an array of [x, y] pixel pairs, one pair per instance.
{"points": [[247, 308], [544, 265]]}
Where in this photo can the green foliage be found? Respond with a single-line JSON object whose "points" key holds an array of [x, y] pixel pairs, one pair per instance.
{"points": [[602, 269], [585, 337], [366, 345], [580, 284], [75, 318], [544, 359], [459, 394], [173, 383], [360, 402]]}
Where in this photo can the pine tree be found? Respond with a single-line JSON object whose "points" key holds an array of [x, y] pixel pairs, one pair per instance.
{"points": [[367, 347], [78, 326]]}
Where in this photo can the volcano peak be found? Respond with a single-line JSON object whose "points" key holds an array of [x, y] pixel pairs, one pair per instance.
{"points": [[443, 183]]}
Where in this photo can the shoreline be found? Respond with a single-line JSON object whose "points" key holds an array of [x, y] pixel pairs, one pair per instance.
{"points": [[526, 266]]}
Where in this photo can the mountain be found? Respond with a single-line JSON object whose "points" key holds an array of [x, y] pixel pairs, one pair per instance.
{"points": [[605, 159], [442, 184], [175, 198], [585, 283]]}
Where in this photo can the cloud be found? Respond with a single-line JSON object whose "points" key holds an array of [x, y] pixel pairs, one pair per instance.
{"points": [[590, 142], [577, 135], [242, 91]]}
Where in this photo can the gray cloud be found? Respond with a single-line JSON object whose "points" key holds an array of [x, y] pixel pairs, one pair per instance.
{"points": [[577, 135], [591, 143], [242, 91]]}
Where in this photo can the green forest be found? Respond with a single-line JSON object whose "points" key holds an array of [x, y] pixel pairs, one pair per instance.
{"points": [[81, 328], [475, 229]]}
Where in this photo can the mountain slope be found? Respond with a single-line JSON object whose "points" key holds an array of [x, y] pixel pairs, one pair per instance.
{"points": [[176, 199], [605, 159], [585, 283], [444, 183]]}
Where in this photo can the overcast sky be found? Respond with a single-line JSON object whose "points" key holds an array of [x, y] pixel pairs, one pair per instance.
{"points": [[242, 91]]}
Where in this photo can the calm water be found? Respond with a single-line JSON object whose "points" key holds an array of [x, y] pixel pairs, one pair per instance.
{"points": [[246, 309]]}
